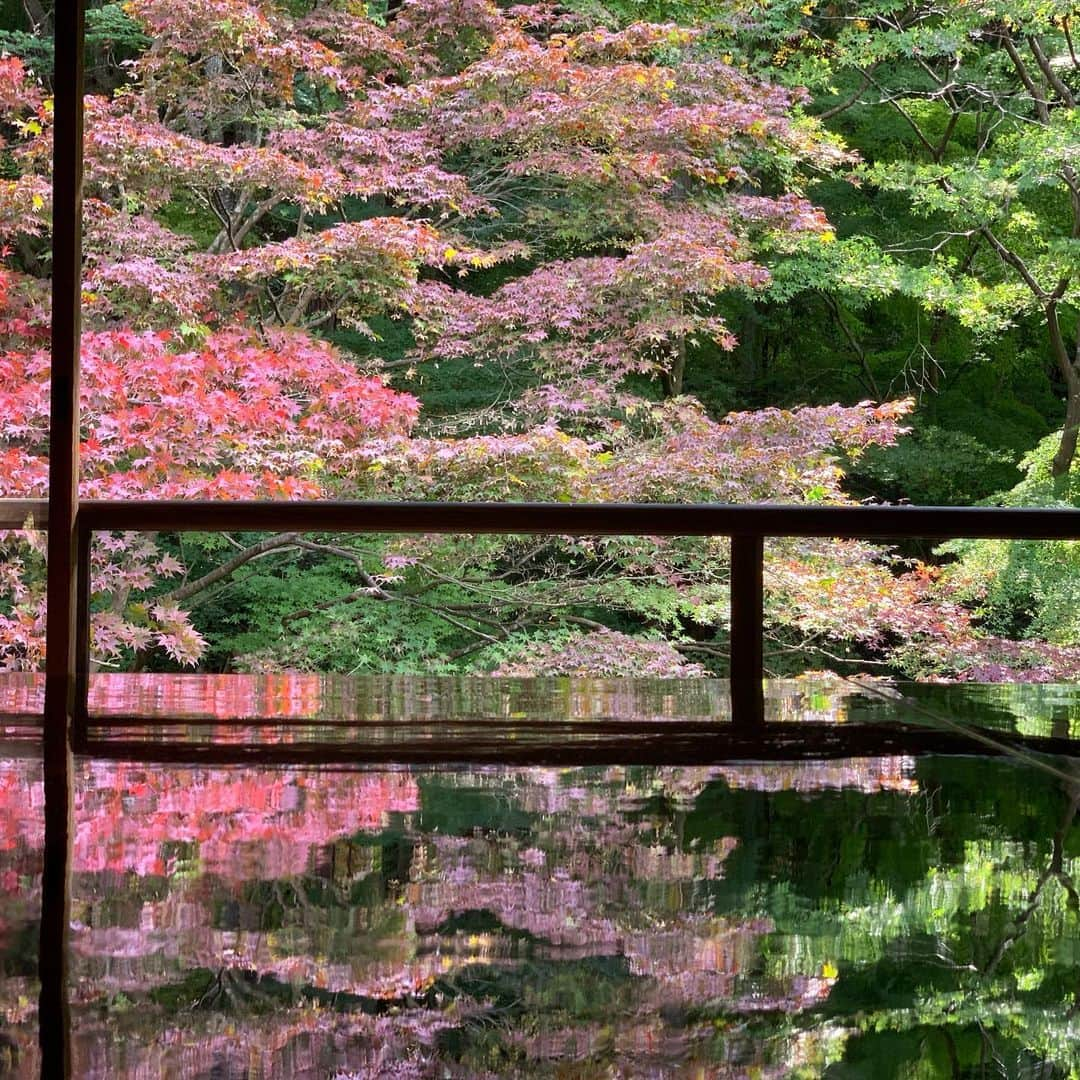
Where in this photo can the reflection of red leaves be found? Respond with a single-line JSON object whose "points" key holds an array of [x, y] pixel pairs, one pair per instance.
{"points": [[244, 824], [263, 823]]}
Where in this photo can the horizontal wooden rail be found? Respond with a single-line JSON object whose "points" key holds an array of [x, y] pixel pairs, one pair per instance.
{"points": [[747, 525], [644, 744], [592, 519], [599, 519]]}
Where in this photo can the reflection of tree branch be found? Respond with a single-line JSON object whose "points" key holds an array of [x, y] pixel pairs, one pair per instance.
{"points": [[988, 1048], [1019, 923], [1054, 872]]}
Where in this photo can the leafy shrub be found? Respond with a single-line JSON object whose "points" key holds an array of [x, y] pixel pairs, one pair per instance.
{"points": [[934, 467]]}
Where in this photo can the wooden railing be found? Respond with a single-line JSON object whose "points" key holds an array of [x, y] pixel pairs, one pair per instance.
{"points": [[748, 526], [17, 513]]}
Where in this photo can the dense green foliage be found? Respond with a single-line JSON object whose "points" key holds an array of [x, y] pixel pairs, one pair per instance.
{"points": [[961, 280]]}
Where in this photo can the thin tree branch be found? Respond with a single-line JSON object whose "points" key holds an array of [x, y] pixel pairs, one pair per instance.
{"points": [[1052, 77], [219, 573]]}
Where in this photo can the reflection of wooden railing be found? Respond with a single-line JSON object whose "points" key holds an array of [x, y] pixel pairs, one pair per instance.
{"points": [[748, 526]]}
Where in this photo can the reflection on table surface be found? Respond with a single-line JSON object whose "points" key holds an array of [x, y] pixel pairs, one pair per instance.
{"points": [[886, 915]]}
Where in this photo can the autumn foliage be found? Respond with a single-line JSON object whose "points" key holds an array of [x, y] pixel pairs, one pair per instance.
{"points": [[560, 206]]}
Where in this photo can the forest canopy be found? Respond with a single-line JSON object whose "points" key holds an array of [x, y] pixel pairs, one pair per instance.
{"points": [[654, 252]]}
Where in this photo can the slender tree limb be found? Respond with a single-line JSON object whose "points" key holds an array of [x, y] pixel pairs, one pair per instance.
{"points": [[848, 102], [1041, 104], [1009, 256], [867, 376], [258, 212], [1069, 42], [219, 573], [1052, 77]]}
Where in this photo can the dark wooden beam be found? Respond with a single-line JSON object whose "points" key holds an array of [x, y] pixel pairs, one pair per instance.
{"points": [[646, 744], [53, 1015], [747, 606], [596, 519]]}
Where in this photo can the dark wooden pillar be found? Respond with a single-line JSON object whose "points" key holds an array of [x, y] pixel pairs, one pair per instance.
{"points": [[747, 659], [53, 1017]]}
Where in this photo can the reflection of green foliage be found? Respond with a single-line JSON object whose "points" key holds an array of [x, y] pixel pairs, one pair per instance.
{"points": [[459, 811], [894, 933], [982, 955], [780, 841], [529, 999], [19, 951]]}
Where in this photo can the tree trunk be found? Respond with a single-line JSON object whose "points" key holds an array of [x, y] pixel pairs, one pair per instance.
{"points": [[1066, 450], [673, 380], [749, 347], [1069, 366]]}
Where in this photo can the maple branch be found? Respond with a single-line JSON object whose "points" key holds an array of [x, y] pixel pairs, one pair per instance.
{"points": [[326, 315], [924, 242], [221, 212], [580, 620], [373, 590], [849, 101], [947, 134], [352, 556], [1010, 257], [257, 214], [867, 375], [888, 97], [226, 569], [301, 305], [892, 99], [1041, 105], [1069, 42], [1048, 71], [275, 303]]}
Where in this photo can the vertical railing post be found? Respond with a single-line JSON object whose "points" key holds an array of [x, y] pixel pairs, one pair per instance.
{"points": [[80, 716], [747, 658], [53, 1013]]}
